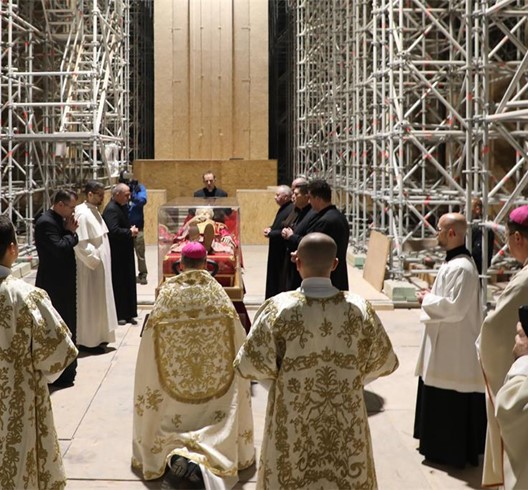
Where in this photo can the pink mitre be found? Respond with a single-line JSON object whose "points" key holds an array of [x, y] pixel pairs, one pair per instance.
{"points": [[194, 250], [520, 215]]}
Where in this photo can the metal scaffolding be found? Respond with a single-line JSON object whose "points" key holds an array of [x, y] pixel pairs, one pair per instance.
{"points": [[64, 99], [412, 108]]}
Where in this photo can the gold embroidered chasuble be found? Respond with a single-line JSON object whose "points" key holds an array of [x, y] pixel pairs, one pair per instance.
{"points": [[187, 398], [318, 353], [35, 347]]}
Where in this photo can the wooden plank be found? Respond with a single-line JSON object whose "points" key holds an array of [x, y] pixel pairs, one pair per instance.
{"points": [[155, 198], [208, 52], [180, 139], [257, 211], [241, 79], [377, 254], [195, 82], [163, 59], [222, 128], [258, 88]]}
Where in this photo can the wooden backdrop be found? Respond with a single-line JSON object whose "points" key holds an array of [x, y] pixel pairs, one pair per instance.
{"points": [[211, 79]]}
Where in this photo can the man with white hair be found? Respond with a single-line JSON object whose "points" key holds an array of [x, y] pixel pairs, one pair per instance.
{"points": [[275, 280], [121, 235]]}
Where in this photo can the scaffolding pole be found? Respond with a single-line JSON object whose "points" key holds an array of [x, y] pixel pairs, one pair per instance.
{"points": [[63, 98], [411, 109]]}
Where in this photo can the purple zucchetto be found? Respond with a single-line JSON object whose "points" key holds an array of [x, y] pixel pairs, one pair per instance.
{"points": [[520, 215], [194, 250]]}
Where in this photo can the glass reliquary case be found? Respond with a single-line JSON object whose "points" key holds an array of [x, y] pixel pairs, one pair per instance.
{"points": [[215, 222]]}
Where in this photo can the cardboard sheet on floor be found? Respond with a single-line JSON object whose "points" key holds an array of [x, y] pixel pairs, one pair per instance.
{"points": [[377, 254]]}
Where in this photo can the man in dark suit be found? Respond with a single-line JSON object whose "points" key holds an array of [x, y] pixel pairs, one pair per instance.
{"points": [[293, 233], [331, 221], [275, 281], [210, 189], [55, 238], [121, 236]]}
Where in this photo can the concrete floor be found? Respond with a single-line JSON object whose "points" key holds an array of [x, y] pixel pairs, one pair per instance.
{"points": [[94, 417]]}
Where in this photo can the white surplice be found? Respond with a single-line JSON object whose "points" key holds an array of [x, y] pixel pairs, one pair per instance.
{"points": [[96, 312], [318, 346], [35, 347], [452, 314], [188, 400]]}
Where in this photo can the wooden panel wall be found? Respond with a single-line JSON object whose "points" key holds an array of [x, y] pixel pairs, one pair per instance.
{"points": [[257, 211], [155, 198], [180, 178], [211, 79]]}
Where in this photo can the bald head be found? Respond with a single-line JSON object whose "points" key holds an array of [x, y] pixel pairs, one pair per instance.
{"points": [[316, 255], [452, 230]]}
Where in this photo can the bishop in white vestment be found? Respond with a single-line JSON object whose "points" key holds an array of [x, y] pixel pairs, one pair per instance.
{"points": [[497, 337], [188, 401], [96, 312], [318, 347]]}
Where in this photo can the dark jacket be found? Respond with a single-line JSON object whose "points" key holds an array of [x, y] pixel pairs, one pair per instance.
{"points": [[275, 280], [333, 223], [122, 253], [216, 192], [57, 271]]}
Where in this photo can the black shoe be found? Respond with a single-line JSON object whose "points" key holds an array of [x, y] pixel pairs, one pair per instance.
{"points": [[132, 321], [194, 476], [92, 350], [59, 384], [142, 279], [175, 474], [121, 322]]}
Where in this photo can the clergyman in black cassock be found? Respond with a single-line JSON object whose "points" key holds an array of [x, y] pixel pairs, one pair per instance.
{"points": [[332, 222], [275, 281], [121, 237], [55, 239]]}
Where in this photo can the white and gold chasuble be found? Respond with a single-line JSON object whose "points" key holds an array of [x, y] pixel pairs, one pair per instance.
{"points": [[35, 347], [187, 398], [318, 352]]}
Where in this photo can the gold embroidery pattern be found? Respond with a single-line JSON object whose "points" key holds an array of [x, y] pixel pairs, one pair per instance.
{"points": [[247, 436], [219, 415], [195, 362], [149, 401], [325, 427], [25, 408], [176, 421], [188, 346], [260, 350], [316, 423], [293, 327], [18, 355], [379, 346], [351, 325], [190, 288]]}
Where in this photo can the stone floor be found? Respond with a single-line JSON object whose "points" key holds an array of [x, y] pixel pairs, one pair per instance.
{"points": [[94, 417]]}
